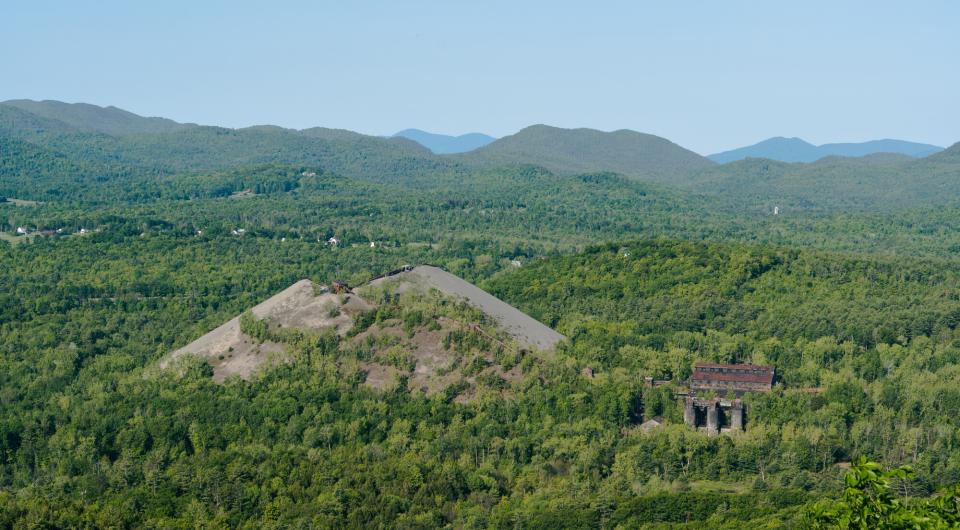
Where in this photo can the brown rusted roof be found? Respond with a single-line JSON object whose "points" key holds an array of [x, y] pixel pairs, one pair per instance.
{"points": [[733, 373], [739, 366]]}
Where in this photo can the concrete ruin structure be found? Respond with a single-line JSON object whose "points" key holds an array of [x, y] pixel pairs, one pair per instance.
{"points": [[714, 415], [735, 378], [650, 382]]}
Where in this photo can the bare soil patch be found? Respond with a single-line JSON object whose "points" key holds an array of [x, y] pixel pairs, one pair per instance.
{"points": [[232, 353], [245, 194]]}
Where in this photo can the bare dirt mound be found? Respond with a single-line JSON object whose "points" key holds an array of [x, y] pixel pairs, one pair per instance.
{"points": [[526, 330], [430, 331], [231, 352]]}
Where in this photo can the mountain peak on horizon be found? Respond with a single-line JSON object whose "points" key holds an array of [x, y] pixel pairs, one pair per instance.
{"points": [[446, 144], [797, 149], [88, 117], [624, 151]]}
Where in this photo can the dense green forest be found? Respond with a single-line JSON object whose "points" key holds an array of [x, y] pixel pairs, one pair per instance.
{"points": [[857, 308], [88, 319], [94, 435], [878, 338]]}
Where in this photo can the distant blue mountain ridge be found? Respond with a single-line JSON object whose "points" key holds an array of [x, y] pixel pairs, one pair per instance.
{"points": [[445, 144], [798, 150]]}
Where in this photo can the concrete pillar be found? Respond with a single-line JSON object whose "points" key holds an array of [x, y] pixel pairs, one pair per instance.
{"points": [[689, 413], [713, 417], [736, 415]]}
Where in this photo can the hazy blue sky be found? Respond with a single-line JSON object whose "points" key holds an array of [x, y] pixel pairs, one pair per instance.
{"points": [[708, 75]]}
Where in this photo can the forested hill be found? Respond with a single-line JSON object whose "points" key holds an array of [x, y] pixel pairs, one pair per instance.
{"points": [[34, 172], [111, 144], [92, 118], [879, 180], [205, 148], [110, 135], [18, 123], [587, 150], [98, 136], [945, 158]]}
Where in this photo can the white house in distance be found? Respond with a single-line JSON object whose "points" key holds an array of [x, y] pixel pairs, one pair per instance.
{"points": [[333, 241], [22, 231]]}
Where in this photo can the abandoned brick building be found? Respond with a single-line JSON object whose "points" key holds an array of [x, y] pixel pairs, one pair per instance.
{"points": [[736, 378], [722, 415]]}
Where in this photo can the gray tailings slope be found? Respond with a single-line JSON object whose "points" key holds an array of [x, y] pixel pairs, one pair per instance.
{"points": [[231, 352], [523, 328]]}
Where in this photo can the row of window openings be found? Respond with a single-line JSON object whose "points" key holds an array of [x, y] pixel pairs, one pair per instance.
{"points": [[730, 371]]}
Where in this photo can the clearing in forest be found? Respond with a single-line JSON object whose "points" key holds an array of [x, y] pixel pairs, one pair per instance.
{"points": [[20, 202]]}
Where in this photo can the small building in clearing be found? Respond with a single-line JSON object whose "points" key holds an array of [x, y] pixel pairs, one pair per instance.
{"points": [[651, 424]]}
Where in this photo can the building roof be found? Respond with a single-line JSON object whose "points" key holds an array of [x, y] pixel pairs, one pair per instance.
{"points": [[733, 373], [739, 366], [652, 423]]}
